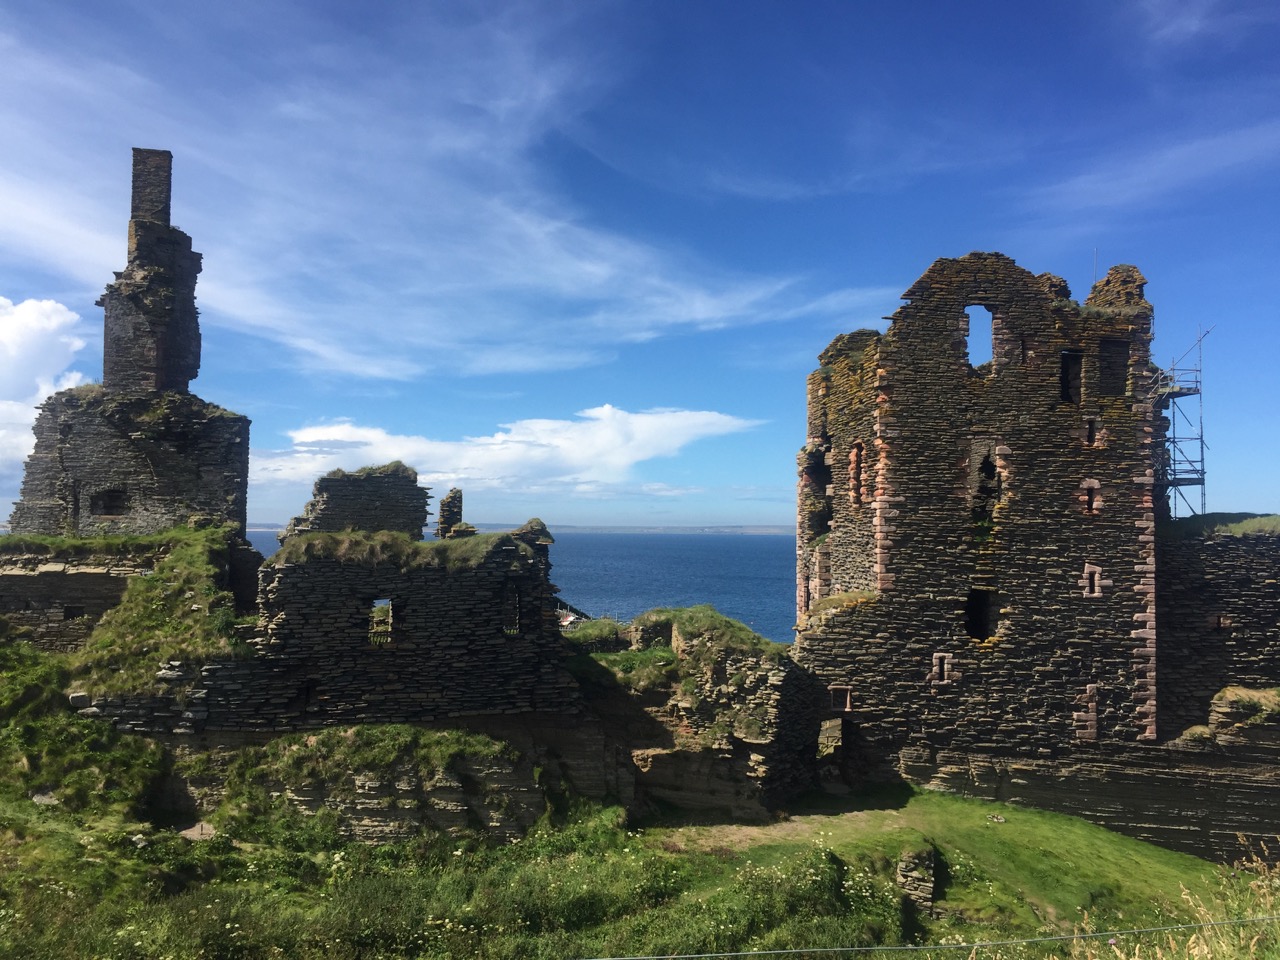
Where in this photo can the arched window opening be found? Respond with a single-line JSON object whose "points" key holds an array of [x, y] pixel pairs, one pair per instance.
{"points": [[981, 339]]}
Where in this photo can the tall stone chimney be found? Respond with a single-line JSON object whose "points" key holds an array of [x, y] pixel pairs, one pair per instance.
{"points": [[151, 330]]}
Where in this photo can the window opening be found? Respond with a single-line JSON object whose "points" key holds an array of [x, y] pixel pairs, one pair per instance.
{"points": [[841, 698], [941, 672], [981, 613], [1113, 368], [1092, 581], [981, 339], [1069, 378], [1091, 431], [1090, 500], [380, 615], [986, 495], [109, 503], [510, 610], [816, 483]]}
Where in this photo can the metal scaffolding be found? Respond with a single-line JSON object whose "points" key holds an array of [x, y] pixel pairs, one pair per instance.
{"points": [[1177, 390]]}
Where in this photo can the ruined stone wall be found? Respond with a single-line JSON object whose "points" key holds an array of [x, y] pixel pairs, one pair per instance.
{"points": [[1219, 616], [62, 599], [760, 716], [374, 640], [132, 465], [1202, 801], [151, 331], [374, 498], [836, 532], [1011, 511]]}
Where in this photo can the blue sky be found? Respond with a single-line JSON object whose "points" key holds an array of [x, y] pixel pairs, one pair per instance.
{"points": [[578, 258]]}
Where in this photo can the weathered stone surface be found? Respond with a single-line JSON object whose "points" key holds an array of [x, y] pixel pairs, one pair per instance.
{"points": [[979, 580], [139, 454], [373, 498], [450, 524], [992, 515]]}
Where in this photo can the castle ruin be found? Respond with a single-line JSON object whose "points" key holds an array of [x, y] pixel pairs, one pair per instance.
{"points": [[139, 453], [982, 581]]}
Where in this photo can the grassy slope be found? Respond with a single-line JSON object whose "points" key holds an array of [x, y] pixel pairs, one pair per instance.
{"points": [[86, 877]]}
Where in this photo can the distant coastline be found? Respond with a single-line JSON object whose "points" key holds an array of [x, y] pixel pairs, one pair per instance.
{"points": [[774, 530]]}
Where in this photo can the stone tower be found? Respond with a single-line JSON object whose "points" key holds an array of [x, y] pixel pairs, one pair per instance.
{"points": [[977, 536], [151, 335], [139, 453]]}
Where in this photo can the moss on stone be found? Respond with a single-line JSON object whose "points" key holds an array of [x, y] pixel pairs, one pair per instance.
{"points": [[393, 548]]}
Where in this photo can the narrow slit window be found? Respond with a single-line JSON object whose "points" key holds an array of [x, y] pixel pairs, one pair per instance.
{"points": [[1092, 581], [380, 621], [1069, 376], [511, 610], [1091, 431]]}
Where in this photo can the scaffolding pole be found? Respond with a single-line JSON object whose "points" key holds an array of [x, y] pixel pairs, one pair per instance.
{"points": [[1178, 389]]}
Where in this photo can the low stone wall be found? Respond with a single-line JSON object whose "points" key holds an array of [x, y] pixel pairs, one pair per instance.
{"points": [[1218, 612], [1200, 801], [62, 600], [761, 714], [475, 638]]}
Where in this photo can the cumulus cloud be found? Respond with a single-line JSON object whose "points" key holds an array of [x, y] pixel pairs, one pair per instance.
{"points": [[587, 455], [39, 340]]}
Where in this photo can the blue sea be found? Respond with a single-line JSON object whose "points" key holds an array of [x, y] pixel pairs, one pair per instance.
{"points": [[750, 577]]}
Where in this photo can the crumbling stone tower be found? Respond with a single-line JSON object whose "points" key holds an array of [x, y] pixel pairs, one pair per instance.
{"points": [[976, 549], [139, 453], [151, 336]]}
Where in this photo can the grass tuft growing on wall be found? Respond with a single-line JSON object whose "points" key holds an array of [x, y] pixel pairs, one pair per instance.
{"points": [[177, 612], [394, 548]]}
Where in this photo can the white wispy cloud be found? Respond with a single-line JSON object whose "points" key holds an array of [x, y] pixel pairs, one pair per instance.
{"points": [[592, 453], [1177, 22], [377, 208], [39, 340], [1136, 179]]}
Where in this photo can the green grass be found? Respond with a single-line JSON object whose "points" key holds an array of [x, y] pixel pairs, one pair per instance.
{"points": [[88, 877], [589, 885], [176, 612], [642, 670], [589, 632], [1269, 524], [390, 547], [393, 469], [67, 548], [1227, 524]]}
